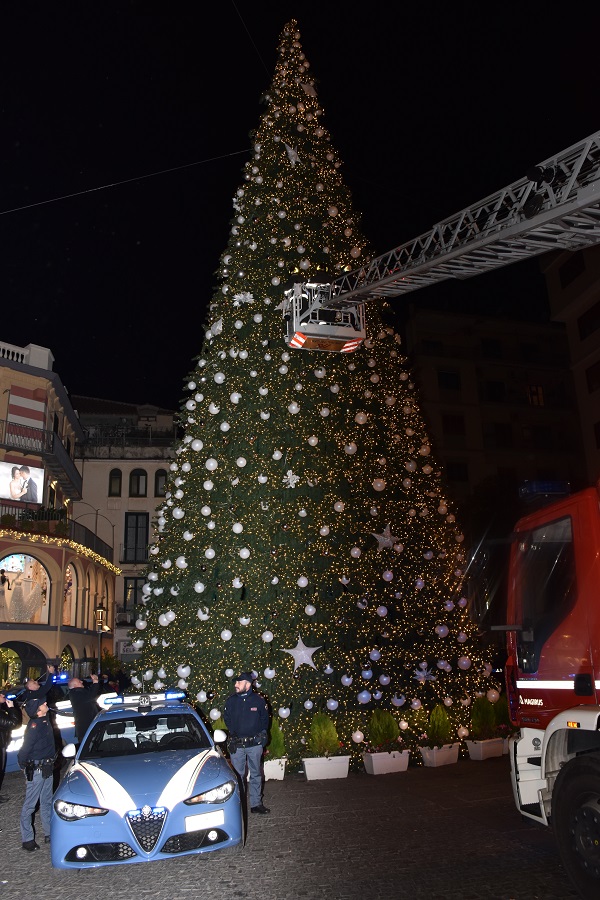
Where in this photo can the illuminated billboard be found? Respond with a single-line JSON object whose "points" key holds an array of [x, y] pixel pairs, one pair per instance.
{"points": [[21, 482]]}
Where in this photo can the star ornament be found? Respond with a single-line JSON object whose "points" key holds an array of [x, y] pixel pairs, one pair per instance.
{"points": [[302, 654], [385, 540]]}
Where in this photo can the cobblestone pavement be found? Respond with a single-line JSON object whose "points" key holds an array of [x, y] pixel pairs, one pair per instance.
{"points": [[450, 832]]}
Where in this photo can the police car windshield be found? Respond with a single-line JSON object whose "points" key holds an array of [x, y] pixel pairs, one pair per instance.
{"points": [[150, 733]]}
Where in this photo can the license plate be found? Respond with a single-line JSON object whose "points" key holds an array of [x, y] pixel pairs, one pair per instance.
{"points": [[205, 820]]}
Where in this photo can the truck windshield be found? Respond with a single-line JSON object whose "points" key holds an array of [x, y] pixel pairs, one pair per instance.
{"points": [[545, 586]]}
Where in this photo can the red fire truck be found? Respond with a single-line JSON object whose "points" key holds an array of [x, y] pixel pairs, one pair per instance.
{"points": [[553, 677]]}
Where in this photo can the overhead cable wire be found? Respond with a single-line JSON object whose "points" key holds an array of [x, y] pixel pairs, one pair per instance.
{"points": [[266, 68], [113, 184]]}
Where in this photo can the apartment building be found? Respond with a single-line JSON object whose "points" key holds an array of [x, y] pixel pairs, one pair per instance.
{"points": [[498, 397], [58, 579], [123, 459], [573, 286]]}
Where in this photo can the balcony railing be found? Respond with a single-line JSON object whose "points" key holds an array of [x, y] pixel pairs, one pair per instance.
{"points": [[24, 437], [123, 616], [63, 468], [125, 436], [48, 446], [53, 522]]}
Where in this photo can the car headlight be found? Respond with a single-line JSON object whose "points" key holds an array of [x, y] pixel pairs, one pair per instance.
{"points": [[70, 812], [215, 795]]}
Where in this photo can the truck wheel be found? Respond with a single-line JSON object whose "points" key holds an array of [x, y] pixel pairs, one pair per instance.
{"points": [[576, 822]]}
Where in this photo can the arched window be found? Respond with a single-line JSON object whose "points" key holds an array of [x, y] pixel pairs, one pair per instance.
{"points": [[69, 613], [25, 590], [160, 483], [138, 483], [114, 483], [67, 658]]}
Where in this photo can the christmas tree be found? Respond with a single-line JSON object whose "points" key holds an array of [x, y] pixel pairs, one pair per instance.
{"points": [[306, 534]]}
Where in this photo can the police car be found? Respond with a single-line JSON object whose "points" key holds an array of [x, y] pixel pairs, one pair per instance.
{"points": [[147, 783]]}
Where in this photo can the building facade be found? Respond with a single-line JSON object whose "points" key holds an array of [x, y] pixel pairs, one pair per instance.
{"points": [[123, 460], [498, 397], [58, 579], [573, 285]]}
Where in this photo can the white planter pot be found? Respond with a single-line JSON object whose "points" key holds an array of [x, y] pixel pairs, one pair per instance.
{"points": [[382, 763], [485, 749], [274, 769], [318, 767], [440, 756]]}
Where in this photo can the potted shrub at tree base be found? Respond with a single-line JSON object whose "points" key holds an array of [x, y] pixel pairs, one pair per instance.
{"points": [[504, 727], [484, 743], [384, 754], [324, 745], [436, 748], [275, 759]]}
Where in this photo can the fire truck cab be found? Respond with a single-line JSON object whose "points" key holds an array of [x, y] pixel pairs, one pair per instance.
{"points": [[553, 677]]}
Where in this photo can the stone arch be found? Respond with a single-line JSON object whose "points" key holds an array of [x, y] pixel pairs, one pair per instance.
{"points": [[29, 659], [26, 594], [67, 659]]}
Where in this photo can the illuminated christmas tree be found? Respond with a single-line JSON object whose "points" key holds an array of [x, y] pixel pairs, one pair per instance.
{"points": [[306, 534]]}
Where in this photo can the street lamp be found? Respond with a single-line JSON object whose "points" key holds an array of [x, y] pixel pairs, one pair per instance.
{"points": [[101, 627], [97, 514]]}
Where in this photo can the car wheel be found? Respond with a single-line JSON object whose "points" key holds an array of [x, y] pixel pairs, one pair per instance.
{"points": [[576, 822]]}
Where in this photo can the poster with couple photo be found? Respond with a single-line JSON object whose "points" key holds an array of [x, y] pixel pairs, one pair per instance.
{"points": [[21, 482]]}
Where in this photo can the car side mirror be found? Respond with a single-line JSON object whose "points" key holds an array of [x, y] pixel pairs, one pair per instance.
{"points": [[69, 751], [219, 736]]}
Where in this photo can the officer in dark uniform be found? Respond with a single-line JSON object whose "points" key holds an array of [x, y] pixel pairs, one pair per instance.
{"points": [[36, 758], [83, 703], [36, 690], [247, 718], [10, 717]]}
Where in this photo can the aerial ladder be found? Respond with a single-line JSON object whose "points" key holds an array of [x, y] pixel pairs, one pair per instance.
{"points": [[556, 206]]}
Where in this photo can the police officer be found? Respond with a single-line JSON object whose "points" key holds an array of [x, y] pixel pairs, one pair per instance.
{"points": [[83, 703], [39, 689], [10, 717], [247, 718], [36, 758]]}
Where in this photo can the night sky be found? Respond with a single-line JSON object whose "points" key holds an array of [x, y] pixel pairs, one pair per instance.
{"points": [[430, 108]]}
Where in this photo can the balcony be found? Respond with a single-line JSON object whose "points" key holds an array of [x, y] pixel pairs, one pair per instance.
{"points": [[54, 523], [124, 617], [110, 440], [49, 448]]}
